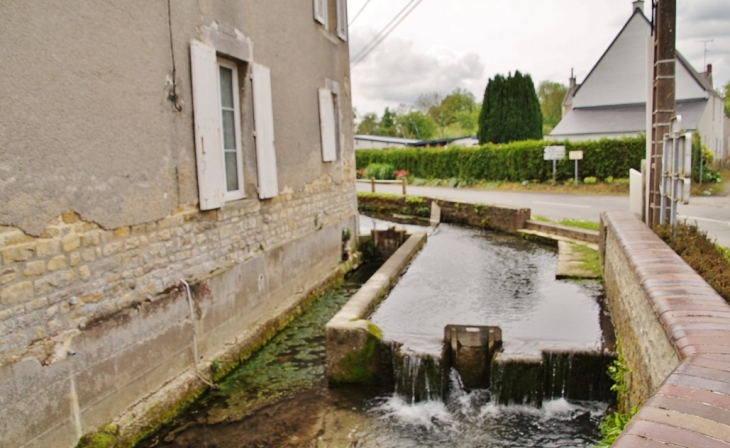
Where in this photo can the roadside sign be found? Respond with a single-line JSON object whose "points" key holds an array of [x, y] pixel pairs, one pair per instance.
{"points": [[575, 155], [554, 153]]}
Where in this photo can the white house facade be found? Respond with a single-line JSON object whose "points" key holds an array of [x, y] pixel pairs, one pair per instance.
{"points": [[611, 101]]}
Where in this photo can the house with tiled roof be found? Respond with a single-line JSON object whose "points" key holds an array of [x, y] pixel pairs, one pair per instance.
{"points": [[611, 100]]}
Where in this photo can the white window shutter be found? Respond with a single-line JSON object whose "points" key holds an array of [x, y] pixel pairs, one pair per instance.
{"points": [[342, 19], [211, 188], [320, 11], [327, 125], [264, 125]]}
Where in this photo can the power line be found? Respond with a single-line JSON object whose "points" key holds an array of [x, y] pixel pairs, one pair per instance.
{"points": [[358, 13], [378, 38]]}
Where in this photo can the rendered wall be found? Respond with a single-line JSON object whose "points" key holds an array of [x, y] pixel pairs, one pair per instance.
{"points": [[100, 219]]}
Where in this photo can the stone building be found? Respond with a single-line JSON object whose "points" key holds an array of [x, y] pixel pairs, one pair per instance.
{"points": [[147, 146]]}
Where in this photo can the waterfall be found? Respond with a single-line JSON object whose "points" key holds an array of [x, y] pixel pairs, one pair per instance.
{"points": [[418, 377]]}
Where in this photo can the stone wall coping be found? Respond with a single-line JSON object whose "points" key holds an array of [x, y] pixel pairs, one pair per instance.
{"points": [[353, 314], [692, 406]]}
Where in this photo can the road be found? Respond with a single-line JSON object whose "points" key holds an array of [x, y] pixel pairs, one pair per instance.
{"points": [[711, 214]]}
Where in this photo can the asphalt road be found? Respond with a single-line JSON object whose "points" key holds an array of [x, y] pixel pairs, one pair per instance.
{"points": [[711, 214]]}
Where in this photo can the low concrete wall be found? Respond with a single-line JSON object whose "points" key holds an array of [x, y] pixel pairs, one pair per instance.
{"points": [[121, 362], [353, 342], [675, 335], [485, 216]]}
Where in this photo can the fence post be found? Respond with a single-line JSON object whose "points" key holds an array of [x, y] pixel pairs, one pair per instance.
{"points": [[372, 184], [404, 186]]}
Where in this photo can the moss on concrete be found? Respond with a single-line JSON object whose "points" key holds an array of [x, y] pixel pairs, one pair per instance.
{"points": [[359, 366]]}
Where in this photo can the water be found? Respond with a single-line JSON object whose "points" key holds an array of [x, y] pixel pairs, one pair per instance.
{"points": [[476, 277], [279, 397]]}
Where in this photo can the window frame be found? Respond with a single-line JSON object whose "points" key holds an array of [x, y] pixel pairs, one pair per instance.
{"points": [[233, 66]]}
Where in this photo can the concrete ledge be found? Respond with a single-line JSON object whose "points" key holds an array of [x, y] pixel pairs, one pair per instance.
{"points": [[351, 340], [691, 405], [574, 233]]}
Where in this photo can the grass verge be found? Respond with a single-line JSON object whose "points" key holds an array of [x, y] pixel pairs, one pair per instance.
{"points": [[581, 223]]}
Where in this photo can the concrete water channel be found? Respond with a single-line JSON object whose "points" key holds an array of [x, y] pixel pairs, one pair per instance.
{"points": [[547, 384]]}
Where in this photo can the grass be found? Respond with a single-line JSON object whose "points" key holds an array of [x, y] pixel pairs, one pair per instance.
{"points": [[589, 259], [581, 223], [715, 189], [616, 187]]}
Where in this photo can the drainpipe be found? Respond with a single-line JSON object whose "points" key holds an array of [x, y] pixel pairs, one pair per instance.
{"points": [[192, 321]]}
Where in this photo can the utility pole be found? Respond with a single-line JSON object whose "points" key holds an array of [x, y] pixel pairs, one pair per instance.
{"points": [[663, 107]]}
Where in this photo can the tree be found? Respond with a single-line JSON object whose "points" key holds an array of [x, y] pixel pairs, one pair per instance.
{"points": [[510, 110], [727, 99], [456, 106], [551, 95], [369, 124], [387, 124], [416, 124]]}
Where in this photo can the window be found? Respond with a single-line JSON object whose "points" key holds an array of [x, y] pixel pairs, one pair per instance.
{"points": [[329, 120], [217, 117], [230, 129], [328, 126], [342, 19], [320, 12], [321, 15]]}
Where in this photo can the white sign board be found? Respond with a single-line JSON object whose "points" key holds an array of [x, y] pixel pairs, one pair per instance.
{"points": [[554, 153], [575, 155]]}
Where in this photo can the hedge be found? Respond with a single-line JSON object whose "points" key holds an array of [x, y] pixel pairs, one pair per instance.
{"points": [[515, 162]]}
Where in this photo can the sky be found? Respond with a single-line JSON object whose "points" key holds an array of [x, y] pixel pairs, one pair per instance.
{"points": [[443, 45]]}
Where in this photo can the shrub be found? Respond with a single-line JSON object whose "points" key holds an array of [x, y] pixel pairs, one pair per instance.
{"points": [[589, 180], [382, 171], [513, 162], [701, 253]]}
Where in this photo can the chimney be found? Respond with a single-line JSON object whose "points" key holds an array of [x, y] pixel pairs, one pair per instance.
{"points": [[571, 81], [637, 4], [708, 74]]}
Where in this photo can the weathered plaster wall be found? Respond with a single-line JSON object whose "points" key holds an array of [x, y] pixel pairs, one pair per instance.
{"points": [[87, 125], [99, 218]]}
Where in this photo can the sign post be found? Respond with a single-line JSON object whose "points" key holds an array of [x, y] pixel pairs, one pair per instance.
{"points": [[554, 153], [576, 155]]}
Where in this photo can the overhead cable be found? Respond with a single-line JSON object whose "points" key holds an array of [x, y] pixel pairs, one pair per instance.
{"points": [[358, 13], [405, 12]]}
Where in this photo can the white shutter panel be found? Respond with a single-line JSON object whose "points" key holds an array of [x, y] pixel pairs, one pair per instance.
{"points": [[320, 11], [327, 125], [342, 19], [264, 124], [211, 188]]}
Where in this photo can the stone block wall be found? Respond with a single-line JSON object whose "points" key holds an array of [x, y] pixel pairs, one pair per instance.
{"points": [[675, 332], [78, 286], [501, 218]]}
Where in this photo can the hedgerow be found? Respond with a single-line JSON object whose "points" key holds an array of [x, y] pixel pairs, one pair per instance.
{"points": [[513, 162]]}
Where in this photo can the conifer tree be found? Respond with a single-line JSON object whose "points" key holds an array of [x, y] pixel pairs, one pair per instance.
{"points": [[510, 110]]}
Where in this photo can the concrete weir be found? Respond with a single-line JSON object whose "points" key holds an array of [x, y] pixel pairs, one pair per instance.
{"points": [[353, 342]]}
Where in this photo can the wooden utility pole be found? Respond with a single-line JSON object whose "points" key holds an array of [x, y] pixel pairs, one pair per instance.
{"points": [[663, 107]]}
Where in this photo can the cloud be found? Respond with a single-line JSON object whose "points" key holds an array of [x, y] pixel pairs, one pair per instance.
{"points": [[397, 73]]}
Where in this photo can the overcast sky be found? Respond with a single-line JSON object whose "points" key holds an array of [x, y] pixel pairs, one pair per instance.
{"points": [[443, 44]]}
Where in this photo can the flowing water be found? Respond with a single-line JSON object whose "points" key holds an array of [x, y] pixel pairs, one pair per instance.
{"points": [[279, 397]]}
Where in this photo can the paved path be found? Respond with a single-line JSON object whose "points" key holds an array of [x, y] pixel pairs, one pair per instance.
{"points": [[712, 214]]}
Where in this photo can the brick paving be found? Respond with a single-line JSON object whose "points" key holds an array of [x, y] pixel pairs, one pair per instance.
{"points": [[692, 406]]}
